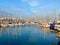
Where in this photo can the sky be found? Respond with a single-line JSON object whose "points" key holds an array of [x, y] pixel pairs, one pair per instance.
{"points": [[30, 8]]}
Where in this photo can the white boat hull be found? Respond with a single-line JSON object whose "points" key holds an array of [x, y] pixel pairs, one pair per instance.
{"points": [[3, 25], [10, 25]]}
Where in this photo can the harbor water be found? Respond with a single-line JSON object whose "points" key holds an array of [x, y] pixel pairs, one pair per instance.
{"points": [[27, 35]]}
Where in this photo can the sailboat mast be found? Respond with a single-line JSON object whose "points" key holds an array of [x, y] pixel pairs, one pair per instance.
{"points": [[55, 18]]}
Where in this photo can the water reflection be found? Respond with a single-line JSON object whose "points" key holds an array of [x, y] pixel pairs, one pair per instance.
{"points": [[57, 35], [29, 34], [47, 30], [2, 30], [59, 43]]}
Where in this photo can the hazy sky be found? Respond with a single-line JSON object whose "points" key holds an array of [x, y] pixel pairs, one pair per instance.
{"points": [[31, 8]]}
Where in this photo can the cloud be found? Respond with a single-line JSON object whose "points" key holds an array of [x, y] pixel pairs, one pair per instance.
{"points": [[33, 3]]}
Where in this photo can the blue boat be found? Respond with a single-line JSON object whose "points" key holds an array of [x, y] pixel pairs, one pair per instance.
{"points": [[52, 26]]}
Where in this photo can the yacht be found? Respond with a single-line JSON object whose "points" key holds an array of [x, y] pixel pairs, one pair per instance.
{"points": [[32, 23], [57, 26], [19, 24], [3, 25], [10, 25]]}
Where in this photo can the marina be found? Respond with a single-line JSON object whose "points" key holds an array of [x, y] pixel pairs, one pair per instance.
{"points": [[22, 30], [7, 22], [29, 22], [11, 22]]}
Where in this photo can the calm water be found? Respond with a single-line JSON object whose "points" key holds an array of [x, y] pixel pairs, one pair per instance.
{"points": [[27, 35]]}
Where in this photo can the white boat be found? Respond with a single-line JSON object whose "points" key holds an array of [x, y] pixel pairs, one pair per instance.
{"points": [[32, 23], [10, 25], [57, 26], [3, 25], [26, 23], [19, 24], [58, 29], [45, 25]]}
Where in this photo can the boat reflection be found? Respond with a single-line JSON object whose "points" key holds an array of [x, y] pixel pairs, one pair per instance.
{"points": [[28, 33], [58, 35], [46, 30], [59, 43]]}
